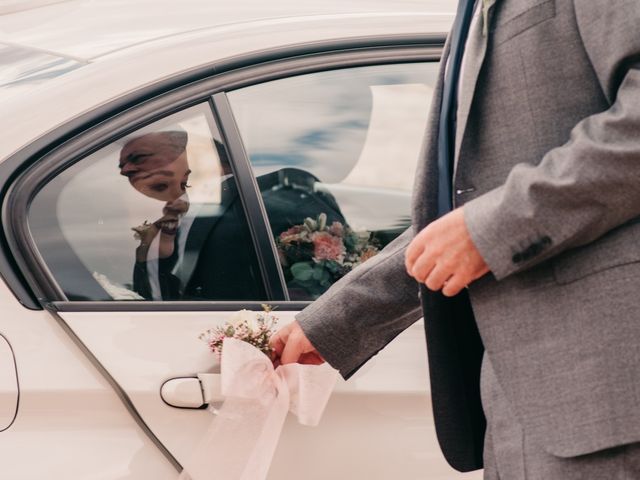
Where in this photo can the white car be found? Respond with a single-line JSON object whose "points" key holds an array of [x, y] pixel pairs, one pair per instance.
{"points": [[153, 157]]}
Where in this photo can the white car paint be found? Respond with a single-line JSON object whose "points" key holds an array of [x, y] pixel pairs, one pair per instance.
{"points": [[89, 29], [124, 70], [378, 425], [71, 423], [383, 413]]}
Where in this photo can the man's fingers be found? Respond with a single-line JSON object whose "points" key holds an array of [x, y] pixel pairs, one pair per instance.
{"points": [[311, 358], [277, 344], [443, 257], [279, 339], [414, 250], [292, 351], [454, 285], [410, 256], [438, 276], [423, 266], [290, 345]]}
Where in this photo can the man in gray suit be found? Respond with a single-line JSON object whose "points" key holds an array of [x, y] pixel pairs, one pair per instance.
{"points": [[534, 145]]}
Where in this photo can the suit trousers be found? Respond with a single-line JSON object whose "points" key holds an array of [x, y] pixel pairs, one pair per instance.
{"points": [[510, 455]]}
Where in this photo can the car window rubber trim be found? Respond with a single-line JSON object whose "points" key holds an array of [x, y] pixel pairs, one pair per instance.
{"points": [[251, 199], [174, 306], [119, 391]]}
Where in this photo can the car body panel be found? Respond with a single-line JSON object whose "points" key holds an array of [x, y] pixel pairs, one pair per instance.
{"points": [[138, 67], [88, 29], [390, 394], [70, 423]]}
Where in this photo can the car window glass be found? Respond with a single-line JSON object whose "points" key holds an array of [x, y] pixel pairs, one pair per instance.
{"points": [[154, 215], [334, 154]]}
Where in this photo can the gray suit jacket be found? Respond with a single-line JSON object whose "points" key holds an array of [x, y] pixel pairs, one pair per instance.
{"points": [[548, 171]]}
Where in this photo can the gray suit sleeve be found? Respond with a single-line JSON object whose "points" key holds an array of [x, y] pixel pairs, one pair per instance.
{"points": [[590, 185], [365, 310]]}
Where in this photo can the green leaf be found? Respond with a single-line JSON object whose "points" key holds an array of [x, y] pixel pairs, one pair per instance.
{"points": [[302, 271], [322, 275], [332, 266], [317, 272]]}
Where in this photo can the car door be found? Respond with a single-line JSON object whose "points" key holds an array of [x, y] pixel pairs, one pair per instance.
{"points": [[155, 226]]}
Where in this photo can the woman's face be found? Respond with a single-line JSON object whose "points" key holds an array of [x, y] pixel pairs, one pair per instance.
{"points": [[156, 165]]}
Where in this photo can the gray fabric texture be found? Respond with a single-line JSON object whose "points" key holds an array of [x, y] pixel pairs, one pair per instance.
{"points": [[349, 344], [548, 172], [553, 150], [510, 455]]}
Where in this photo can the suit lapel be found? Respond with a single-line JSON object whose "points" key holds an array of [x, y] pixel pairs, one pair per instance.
{"points": [[207, 219], [474, 56], [202, 225], [425, 189]]}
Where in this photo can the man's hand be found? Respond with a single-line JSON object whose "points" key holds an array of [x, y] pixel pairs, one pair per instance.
{"points": [[443, 256], [291, 345]]}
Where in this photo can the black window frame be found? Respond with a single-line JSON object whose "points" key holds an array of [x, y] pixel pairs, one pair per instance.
{"points": [[22, 174]]}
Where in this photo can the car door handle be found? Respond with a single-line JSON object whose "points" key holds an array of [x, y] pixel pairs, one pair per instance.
{"points": [[192, 392]]}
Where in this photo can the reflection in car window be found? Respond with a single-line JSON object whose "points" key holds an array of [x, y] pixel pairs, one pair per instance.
{"points": [[342, 146], [153, 216]]}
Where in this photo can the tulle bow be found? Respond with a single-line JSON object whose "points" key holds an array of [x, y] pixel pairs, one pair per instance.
{"points": [[243, 435]]}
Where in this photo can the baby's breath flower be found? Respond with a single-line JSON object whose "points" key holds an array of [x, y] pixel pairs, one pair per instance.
{"points": [[255, 328]]}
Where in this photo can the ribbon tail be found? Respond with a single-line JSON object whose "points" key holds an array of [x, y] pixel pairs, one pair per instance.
{"points": [[264, 449], [241, 440], [230, 442], [310, 387]]}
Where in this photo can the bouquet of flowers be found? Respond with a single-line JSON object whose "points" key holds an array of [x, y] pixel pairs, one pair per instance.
{"points": [[255, 328], [315, 255], [244, 432]]}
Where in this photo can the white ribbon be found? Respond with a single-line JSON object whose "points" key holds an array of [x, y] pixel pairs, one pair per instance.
{"points": [[243, 435]]}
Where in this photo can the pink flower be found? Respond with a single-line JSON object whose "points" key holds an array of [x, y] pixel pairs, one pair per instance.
{"points": [[292, 232], [336, 229], [368, 253], [282, 257], [327, 247]]}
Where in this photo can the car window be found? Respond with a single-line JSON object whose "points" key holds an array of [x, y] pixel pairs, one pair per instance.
{"points": [[334, 154], [154, 215]]}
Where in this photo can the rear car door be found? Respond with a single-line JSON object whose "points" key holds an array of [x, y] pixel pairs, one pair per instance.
{"points": [[149, 229]]}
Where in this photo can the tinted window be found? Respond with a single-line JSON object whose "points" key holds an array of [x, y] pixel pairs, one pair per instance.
{"points": [[153, 216], [334, 154]]}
